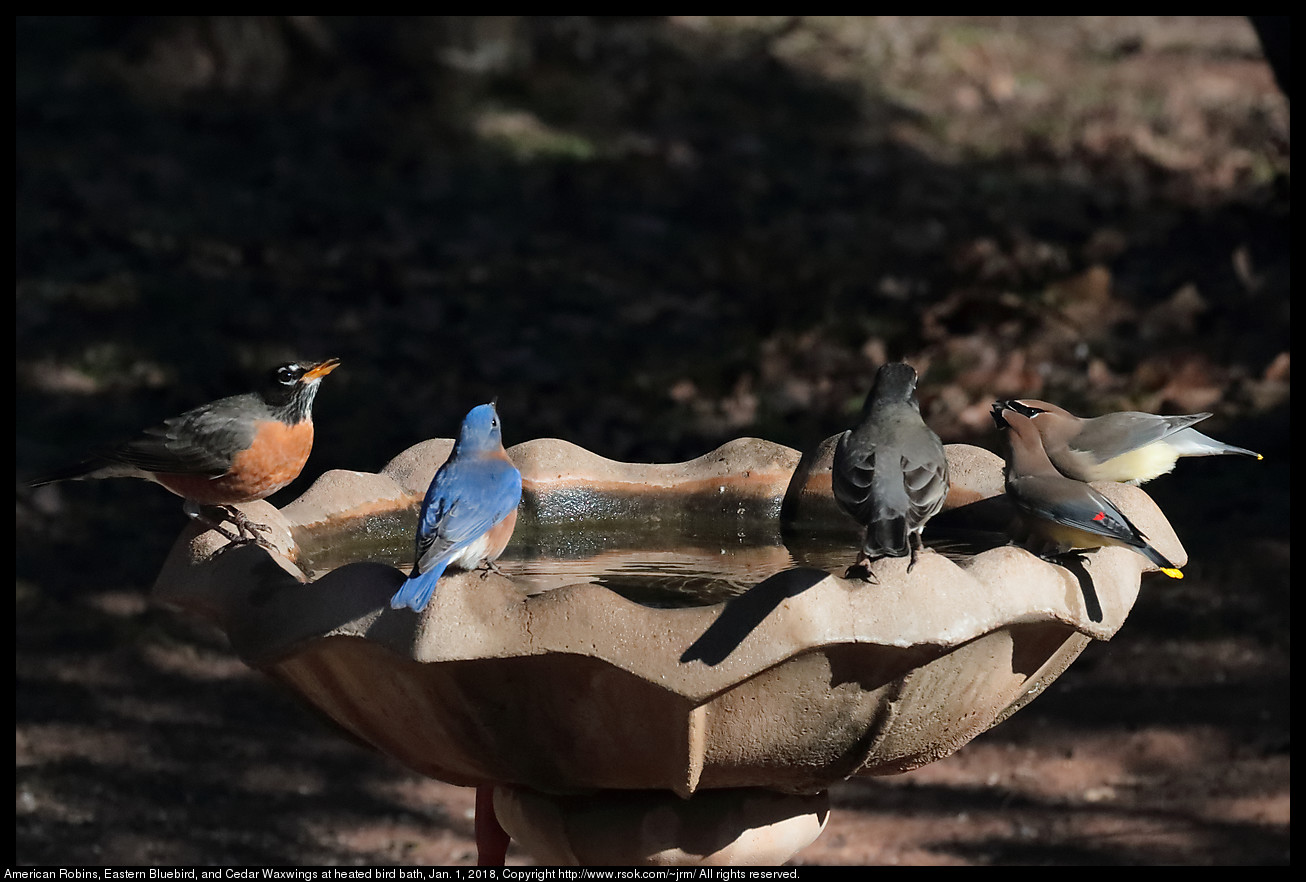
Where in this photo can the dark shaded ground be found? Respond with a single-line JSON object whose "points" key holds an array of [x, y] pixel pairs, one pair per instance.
{"points": [[647, 236]]}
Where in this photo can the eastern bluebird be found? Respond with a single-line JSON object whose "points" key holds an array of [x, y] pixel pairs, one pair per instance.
{"points": [[890, 472], [469, 511]]}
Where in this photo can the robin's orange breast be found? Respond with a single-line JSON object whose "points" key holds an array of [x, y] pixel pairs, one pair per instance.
{"points": [[496, 538], [273, 460]]}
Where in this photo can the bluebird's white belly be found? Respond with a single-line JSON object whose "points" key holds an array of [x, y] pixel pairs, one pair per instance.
{"points": [[471, 555]]}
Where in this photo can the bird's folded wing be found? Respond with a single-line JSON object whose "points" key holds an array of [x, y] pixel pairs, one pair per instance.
{"points": [[201, 442], [1116, 434], [484, 496]]}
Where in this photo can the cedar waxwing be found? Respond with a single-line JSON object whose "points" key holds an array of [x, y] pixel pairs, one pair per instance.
{"points": [[889, 471], [1127, 447], [1065, 514]]}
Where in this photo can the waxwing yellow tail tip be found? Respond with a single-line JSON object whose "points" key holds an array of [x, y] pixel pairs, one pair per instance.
{"points": [[1172, 573], [1259, 457]]}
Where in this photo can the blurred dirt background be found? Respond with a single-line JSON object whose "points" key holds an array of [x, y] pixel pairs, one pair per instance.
{"points": [[646, 236]]}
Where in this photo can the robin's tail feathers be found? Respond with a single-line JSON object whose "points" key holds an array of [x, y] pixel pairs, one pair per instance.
{"points": [[87, 468]]}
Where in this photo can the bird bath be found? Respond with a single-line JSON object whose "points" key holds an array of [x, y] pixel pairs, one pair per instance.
{"points": [[671, 668]]}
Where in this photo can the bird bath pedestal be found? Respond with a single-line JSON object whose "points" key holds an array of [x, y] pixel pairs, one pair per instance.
{"points": [[621, 732]]}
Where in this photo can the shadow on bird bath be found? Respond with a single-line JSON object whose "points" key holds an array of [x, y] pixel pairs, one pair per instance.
{"points": [[662, 665], [742, 615]]}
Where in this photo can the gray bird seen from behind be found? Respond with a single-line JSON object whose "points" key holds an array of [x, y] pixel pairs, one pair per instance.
{"points": [[890, 472]]}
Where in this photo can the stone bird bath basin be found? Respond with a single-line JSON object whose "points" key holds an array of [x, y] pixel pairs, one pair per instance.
{"points": [[621, 732]]}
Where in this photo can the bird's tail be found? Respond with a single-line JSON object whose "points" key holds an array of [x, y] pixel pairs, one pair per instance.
{"points": [[886, 537], [416, 592], [1161, 561], [87, 468], [1190, 442]]}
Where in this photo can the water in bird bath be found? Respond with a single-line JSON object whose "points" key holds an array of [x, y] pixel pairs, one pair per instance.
{"points": [[656, 561]]}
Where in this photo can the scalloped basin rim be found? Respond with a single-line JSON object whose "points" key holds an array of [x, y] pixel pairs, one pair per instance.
{"points": [[342, 495], [804, 679], [964, 597], [939, 604], [803, 609]]}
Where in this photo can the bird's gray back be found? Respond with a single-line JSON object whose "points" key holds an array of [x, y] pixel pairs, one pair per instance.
{"points": [[1115, 434]]}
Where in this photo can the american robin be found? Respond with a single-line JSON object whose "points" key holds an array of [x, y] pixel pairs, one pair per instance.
{"points": [[1063, 514], [233, 450], [890, 472], [1127, 447], [469, 511]]}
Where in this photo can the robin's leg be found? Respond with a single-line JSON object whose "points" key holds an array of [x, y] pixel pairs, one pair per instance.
{"points": [[195, 512], [244, 526], [249, 529]]}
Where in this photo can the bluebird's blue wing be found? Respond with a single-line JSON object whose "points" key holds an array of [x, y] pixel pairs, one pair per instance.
{"points": [[461, 506], [416, 592], [464, 501]]}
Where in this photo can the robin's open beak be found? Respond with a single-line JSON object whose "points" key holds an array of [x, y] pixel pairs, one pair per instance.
{"points": [[320, 370]]}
